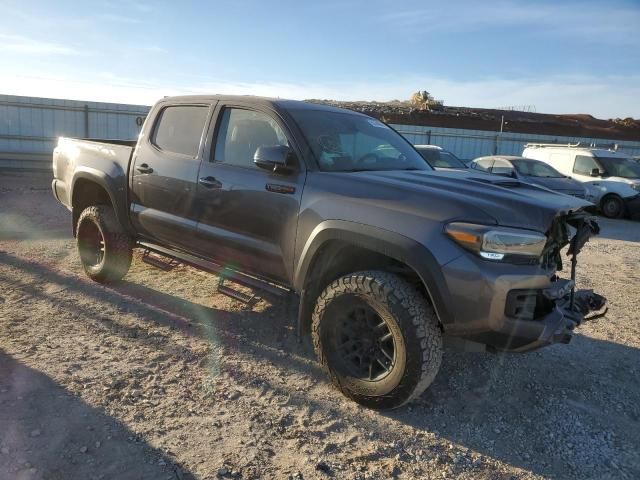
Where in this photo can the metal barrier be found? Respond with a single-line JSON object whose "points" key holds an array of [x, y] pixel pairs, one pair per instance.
{"points": [[470, 144], [30, 127]]}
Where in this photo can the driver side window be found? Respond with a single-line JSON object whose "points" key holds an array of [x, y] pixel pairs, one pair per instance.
{"points": [[240, 134], [584, 165]]}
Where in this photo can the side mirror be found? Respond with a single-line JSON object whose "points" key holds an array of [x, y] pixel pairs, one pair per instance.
{"points": [[273, 157], [595, 172]]}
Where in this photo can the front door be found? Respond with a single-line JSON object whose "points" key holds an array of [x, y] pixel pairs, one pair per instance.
{"points": [[583, 168], [165, 173], [248, 214]]}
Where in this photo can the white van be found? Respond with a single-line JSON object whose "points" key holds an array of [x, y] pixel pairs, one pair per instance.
{"points": [[611, 179]]}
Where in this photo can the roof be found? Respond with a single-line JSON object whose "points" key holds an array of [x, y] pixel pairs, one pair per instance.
{"points": [[608, 153], [597, 152], [266, 101]]}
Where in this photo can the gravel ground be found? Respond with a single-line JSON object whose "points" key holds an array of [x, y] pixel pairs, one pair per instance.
{"points": [[159, 377]]}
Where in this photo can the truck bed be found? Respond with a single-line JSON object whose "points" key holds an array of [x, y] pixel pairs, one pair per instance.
{"points": [[73, 156]]}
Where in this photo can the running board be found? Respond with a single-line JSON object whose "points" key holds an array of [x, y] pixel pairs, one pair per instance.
{"points": [[224, 272]]}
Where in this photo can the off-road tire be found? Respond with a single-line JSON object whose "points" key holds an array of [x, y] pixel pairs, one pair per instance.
{"points": [[612, 206], [118, 246], [420, 341]]}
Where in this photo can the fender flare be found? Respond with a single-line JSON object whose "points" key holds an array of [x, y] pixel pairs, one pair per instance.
{"points": [[388, 243], [109, 186]]}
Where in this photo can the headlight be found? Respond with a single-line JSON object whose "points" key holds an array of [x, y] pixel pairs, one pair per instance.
{"points": [[497, 243], [636, 186]]}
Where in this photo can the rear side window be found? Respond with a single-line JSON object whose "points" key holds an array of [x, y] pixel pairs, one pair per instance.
{"points": [[179, 129], [584, 165]]}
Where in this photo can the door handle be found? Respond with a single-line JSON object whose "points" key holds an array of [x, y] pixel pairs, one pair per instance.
{"points": [[144, 168], [209, 182], [277, 188]]}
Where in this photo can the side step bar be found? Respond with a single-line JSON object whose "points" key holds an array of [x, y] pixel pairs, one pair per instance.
{"points": [[233, 293], [158, 262], [225, 273]]}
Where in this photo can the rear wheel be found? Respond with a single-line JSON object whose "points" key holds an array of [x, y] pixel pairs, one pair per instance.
{"points": [[105, 248], [612, 206], [378, 338]]}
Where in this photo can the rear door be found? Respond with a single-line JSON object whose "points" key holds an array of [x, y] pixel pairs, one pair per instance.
{"points": [[248, 214], [165, 174]]}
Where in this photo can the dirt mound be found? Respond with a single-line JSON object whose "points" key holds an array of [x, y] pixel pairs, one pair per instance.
{"points": [[569, 125]]}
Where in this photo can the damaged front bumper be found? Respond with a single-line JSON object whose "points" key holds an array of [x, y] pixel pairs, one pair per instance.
{"points": [[521, 308], [567, 309]]}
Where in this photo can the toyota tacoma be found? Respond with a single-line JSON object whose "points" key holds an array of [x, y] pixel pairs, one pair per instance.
{"points": [[385, 257]]}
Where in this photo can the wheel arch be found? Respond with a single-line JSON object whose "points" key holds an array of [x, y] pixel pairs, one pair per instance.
{"points": [[337, 247], [93, 187]]}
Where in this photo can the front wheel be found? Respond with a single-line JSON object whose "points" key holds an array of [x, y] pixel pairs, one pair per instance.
{"points": [[378, 338], [105, 248]]}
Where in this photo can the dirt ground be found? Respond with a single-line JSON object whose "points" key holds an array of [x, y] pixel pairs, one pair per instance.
{"points": [[158, 377]]}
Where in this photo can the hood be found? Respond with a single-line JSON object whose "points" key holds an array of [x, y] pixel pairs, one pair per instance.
{"points": [[475, 196], [563, 184]]}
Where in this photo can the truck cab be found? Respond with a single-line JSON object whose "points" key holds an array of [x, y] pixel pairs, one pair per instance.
{"points": [[611, 178]]}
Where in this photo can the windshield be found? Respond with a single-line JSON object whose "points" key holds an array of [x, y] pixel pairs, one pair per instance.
{"points": [[344, 142], [533, 168], [441, 158], [620, 167]]}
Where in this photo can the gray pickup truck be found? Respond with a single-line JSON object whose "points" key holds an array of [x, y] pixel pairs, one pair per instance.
{"points": [[337, 210]]}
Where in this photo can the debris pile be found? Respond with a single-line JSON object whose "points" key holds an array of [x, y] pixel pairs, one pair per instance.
{"points": [[422, 109]]}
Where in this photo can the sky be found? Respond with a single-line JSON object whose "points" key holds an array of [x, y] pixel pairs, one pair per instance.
{"points": [[555, 56]]}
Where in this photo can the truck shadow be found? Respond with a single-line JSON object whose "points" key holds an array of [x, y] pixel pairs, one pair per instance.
{"points": [[481, 402], [49, 433]]}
